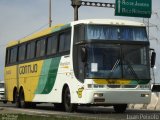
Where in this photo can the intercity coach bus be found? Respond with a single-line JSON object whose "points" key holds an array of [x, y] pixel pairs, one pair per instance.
{"points": [[100, 62]]}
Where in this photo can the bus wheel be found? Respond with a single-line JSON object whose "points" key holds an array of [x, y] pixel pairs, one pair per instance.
{"points": [[121, 108], [21, 100], [67, 101], [15, 96], [17, 100]]}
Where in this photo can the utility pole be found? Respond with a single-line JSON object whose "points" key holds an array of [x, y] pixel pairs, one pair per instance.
{"points": [[78, 3], [50, 9]]}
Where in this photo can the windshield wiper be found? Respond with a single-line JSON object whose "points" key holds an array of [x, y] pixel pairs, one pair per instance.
{"points": [[115, 65], [132, 71], [114, 68]]}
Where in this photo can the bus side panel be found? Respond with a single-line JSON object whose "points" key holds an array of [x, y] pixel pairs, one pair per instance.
{"points": [[10, 81], [46, 91], [29, 74], [60, 73]]}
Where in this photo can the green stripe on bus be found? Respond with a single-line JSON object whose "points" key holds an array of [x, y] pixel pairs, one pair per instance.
{"points": [[43, 76], [52, 74], [61, 28], [136, 82]]}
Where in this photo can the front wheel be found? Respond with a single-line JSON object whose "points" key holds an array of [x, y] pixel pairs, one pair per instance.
{"points": [[69, 107], [121, 108]]}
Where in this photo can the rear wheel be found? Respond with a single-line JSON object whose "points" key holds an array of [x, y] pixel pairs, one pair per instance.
{"points": [[121, 108], [69, 107], [15, 96], [22, 103]]}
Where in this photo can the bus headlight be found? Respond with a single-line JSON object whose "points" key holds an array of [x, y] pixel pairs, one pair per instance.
{"points": [[96, 95], [144, 95]]}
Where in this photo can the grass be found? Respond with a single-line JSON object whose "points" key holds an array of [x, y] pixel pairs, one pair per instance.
{"points": [[39, 117]]}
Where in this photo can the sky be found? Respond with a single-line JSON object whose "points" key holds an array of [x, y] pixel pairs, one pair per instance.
{"points": [[20, 18]]}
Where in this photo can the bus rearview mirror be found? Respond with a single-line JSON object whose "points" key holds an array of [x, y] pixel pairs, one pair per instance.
{"points": [[153, 59]]}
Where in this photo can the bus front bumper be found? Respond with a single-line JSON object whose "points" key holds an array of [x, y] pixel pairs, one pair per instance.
{"points": [[117, 97]]}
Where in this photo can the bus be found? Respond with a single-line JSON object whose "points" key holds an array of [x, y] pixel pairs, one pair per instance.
{"points": [[93, 62]]}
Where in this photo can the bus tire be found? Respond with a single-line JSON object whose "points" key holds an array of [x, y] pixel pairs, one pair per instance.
{"points": [[21, 101], [15, 96], [121, 108], [17, 100], [69, 107]]}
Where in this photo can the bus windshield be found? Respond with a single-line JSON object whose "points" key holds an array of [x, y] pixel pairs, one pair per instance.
{"points": [[117, 61], [125, 33]]}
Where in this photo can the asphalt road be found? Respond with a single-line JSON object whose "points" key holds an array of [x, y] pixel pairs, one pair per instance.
{"points": [[98, 113]]}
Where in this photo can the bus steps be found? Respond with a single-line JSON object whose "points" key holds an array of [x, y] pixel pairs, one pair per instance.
{"points": [[156, 88]]}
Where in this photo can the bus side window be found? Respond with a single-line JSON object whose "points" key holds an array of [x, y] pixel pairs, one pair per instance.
{"points": [[52, 45], [22, 51], [31, 50], [7, 56], [65, 41], [13, 57], [40, 48]]}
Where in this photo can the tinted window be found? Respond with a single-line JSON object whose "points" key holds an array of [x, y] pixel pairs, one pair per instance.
{"points": [[40, 48], [79, 32], [104, 32], [13, 56], [31, 50], [22, 51], [8, 56], [52, 45], [65, 40]]}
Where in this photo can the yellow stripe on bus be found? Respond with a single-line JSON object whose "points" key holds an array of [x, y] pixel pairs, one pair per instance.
{"points": [[105, 81]]}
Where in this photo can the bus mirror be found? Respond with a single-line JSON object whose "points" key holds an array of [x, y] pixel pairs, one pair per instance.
{"points": [[83, 54], [153, 59]]}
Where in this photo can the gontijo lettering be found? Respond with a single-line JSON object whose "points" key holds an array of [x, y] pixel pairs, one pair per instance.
{"points": [[26, 69]]}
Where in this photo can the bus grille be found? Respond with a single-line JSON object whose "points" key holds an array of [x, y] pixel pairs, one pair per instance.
{"points": [[122, 86]]}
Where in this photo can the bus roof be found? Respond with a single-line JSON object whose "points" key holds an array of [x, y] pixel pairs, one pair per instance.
{"points": [[109, 22], [44, 32], [39, 34]]}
